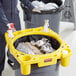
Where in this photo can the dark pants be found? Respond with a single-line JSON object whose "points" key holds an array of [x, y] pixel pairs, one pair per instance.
{"points": [[3, 44], [2, 51], [0, 73]]}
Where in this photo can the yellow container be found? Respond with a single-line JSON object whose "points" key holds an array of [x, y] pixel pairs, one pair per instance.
{"points": [[65, 61], [26, 60], [65, 57], [25, 69]]}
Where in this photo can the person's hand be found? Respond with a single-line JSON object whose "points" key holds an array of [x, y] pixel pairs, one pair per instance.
{"points": [[11, 26], [36, 10]]}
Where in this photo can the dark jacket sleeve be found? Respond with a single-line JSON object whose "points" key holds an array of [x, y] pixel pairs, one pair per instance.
{"points": [[27, 3], [3, 20]]}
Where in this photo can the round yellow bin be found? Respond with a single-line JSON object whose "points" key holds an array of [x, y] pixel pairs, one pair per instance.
{"points": [[63, 52], [65, 57]]}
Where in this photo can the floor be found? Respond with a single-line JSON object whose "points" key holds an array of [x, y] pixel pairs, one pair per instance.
{"points": [[69, 35]]}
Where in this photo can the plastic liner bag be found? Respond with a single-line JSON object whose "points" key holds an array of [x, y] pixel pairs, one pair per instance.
{"points": [[44, 45], [24, 48], [42, 6], [36, 47]]}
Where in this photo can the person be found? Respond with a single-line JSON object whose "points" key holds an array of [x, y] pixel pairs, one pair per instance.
{"points": [[9, 14]]}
